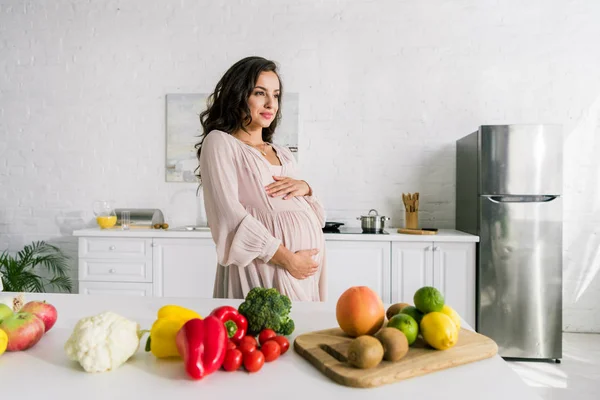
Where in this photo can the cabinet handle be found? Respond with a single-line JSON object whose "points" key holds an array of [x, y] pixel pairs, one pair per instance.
{"points": [[427, 248], [112, 270], [435, 248], [112, 248]]}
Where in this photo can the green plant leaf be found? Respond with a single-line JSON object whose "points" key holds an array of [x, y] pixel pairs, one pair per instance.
{"points": [[19, 273]]}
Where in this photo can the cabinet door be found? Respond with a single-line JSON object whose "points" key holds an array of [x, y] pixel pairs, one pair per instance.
{"points": [[116, 288], [412, 268], [184, 267], [454, 276], [354, 263]]}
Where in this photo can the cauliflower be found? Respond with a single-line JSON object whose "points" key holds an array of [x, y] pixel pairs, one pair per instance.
{"points": [[103, 342]]}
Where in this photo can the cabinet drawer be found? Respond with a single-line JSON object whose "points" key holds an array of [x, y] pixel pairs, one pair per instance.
{"points": [[115, 271], [115, 248], [122, 289]]}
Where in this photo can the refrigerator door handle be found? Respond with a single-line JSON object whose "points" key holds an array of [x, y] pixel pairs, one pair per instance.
{"points": [[520, 199]]}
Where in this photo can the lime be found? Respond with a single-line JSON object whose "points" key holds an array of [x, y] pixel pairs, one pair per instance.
{"points": [[407, 325], [428, 299], [3, 341], [413, 312]]}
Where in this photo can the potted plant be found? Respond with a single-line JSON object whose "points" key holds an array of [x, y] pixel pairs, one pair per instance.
{"points": [[20, 273]]}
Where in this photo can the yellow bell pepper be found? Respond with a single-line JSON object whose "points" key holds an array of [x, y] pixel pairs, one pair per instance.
{"points": [[170, 319]]}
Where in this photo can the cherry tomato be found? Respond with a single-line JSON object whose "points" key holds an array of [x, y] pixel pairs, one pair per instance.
{"points": [[271, 350], [247, 347], [254, 361], [265, 335], [231, 345], [233, 360], [249, 339], [283, 343]]}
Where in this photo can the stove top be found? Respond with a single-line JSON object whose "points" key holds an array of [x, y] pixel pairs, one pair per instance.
{"points": [[352, 231]]}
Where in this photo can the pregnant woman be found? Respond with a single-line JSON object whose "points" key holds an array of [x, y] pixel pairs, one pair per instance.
{"points": [[266, 223]]}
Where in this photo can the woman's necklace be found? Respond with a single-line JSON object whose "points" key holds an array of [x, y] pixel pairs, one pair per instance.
{"points": [[263, 144]]}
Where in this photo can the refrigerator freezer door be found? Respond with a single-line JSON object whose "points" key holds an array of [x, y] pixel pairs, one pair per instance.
{"points": [[520, 159], [519, 301]]}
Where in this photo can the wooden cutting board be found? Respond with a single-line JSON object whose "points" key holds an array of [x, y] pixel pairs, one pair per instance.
{"points": [[327, 351], [416, 231]]}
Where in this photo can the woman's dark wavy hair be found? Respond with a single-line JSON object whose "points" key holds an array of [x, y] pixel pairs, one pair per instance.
{"points": [[228, 109]]}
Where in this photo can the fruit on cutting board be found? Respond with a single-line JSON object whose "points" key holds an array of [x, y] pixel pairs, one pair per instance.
{"points": [[413, 312], [395, 309], [359, 311], [449, 311], [428, 299], [44, 311], [365, 352], [23, 329], [3, 341], [394, 342], [407, 325], [439, 331]]}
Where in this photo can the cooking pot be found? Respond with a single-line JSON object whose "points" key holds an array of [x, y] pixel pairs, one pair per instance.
{"points": [[372, 223]]}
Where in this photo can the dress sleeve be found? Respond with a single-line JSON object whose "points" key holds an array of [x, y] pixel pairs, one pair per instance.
{"points": [[239, 237]]}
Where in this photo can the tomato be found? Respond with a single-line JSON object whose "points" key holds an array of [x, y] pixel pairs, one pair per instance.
{"points": [[233, 360], [265, 335], [249, 339], [283, 343], [247, 347], [254, 361], [271, 350], [231, 345]]}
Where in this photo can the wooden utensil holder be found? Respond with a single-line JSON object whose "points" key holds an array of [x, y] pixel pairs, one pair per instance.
{"points": [[411, 219]]}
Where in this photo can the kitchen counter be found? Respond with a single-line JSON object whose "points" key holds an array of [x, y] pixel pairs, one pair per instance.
{"points": [[45, 372], [443, 235]]}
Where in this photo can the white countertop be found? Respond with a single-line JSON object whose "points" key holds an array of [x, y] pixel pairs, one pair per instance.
{"points": [[45, 372], [443, 235]]}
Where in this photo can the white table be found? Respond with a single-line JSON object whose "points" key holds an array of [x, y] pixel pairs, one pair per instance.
{"points": [[44, 372]]}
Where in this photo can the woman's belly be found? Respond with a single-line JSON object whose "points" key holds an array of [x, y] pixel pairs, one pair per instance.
{"points": [[298, 229]]}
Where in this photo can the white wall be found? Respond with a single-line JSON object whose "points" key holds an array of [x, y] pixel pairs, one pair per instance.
{"points": [[386, 88]]}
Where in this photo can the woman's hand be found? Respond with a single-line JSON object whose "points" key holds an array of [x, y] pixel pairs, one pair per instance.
{"points": [[287, 187], [303, 264]]}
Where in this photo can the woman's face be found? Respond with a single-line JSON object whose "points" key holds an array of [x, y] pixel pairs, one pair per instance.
{"points": [[264, 100]]}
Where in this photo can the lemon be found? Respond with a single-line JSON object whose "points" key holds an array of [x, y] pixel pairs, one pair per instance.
{"points": [[3, 341], [449, 311], [428, 299], [439, 331]]}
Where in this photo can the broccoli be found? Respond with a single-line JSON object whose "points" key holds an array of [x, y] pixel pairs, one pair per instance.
{"points": [[267, 309]]}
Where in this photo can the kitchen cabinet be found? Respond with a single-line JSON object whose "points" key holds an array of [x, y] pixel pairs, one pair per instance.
{"points": [[354, 263], [169, 267], [183, 264], [184, 267], [449, 267], [116, 288]]}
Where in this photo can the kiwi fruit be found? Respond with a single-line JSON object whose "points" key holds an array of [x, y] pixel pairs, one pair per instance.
{"points": [[365, 352], [395, 309], [394, 342]]}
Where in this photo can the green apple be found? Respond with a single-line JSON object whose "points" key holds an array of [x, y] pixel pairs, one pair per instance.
{"points": [[5, 312]]}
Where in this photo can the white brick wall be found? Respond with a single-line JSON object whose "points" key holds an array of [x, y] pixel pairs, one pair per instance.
{"points": [[386, 88]]}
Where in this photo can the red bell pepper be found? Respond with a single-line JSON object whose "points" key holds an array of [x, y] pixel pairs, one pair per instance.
{"points": [[235, 323], [202, 344]]}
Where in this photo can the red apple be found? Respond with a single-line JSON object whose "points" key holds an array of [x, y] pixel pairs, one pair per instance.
{"points": [[23, 330], [46, 312]]}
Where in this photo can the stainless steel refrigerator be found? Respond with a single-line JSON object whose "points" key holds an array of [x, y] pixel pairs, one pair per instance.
{"points": [[508, 192]]}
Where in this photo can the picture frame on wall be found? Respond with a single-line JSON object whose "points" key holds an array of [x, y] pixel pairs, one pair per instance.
{"points": [[183, 131]]}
